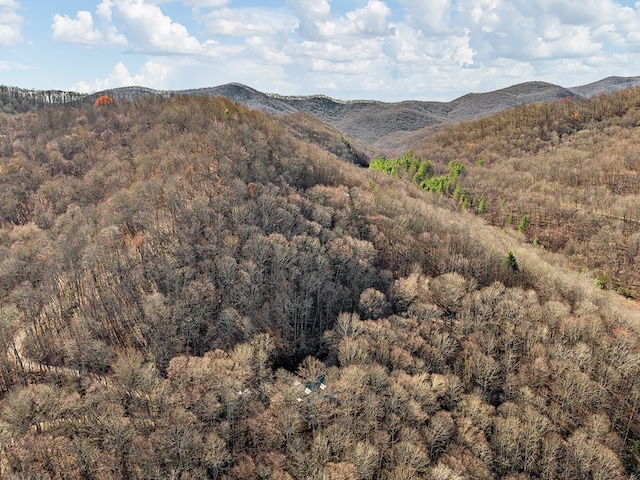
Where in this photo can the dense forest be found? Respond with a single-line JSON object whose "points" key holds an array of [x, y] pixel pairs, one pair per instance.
{"points": [[190, 289], [568, 168]]}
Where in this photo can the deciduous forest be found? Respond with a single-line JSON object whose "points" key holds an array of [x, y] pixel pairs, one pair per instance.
{"points": [[190, 289], [570, 168]]}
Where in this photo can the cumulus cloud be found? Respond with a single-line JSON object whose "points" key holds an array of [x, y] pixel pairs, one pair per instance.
{"points": [[362, 48], [149, 30], [205, 3], [584, 12], [370, 20], [316, 21], [338, 52], [245, 22], [525, 31], [430, 18], [355, 67], [145, 28], [152, 74], [81, 30], [309, 13], [10, 23], [78, 30], [196, 3], [264, 52]]}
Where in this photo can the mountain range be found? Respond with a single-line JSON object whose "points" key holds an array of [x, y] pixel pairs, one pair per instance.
{"points": [[382, 126], [193, 289], [376, 122]]}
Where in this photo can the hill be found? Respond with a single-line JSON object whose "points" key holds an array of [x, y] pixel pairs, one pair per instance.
{"points": [[566, 167], [378, 124], [192, 289], [606, 85]]}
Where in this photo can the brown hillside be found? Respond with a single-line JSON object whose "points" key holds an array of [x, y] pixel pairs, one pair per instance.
{"points": [[190, 289], [384, 126], [570, 167]]}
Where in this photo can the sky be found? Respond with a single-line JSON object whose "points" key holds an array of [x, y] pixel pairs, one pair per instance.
{"points": [[388, 50]]}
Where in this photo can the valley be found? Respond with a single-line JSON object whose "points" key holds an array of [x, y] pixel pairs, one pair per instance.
{"points": [[175, 268]]}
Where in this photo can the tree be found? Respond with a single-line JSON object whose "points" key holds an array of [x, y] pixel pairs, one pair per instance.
{"points": [[104, 101], [511, 262], [440, 433], [373, 304], [524, 223], [447, 291]]}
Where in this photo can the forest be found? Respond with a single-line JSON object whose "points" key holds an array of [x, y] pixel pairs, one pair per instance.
{"points": [[568, 168], [190, 289]]}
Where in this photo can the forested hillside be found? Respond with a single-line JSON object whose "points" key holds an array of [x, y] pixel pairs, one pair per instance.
{"points": [[565, 173], [190, 289]]}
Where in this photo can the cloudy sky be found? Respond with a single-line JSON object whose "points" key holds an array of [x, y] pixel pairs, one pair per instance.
{"points": [[375, 49]]}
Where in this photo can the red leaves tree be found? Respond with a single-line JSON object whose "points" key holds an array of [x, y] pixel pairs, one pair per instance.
{"points": [[103, 101]]}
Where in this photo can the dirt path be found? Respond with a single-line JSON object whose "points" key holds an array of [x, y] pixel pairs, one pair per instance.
{"points": [[17, 355], [606, 214]]}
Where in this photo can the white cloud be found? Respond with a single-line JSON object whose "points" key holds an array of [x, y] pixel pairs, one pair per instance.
{"points": [[196, 3], [310, 9], [149, 30], [103, 10], [309, 13], [578, 42], [528, 30], [317, 23], [262, 51], [10, 23], [152, 74], [81, 30], [391, 49], [205, 3], [349, 68], [370, 20], [78, 30], [404, 47], [584, 12], [459, 50], [430, 18], [244, 22], [119, 77]]}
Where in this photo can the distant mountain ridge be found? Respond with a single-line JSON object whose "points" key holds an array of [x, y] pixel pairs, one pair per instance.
{"points": [[374, 121]]}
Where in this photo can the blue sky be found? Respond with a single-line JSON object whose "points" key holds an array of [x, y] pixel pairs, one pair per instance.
{"points": [[348, 49]]}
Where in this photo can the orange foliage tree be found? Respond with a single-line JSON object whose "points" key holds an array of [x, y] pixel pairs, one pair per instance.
{"points": [[104, 100]]}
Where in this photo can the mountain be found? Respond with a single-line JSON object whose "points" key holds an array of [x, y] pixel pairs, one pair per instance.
{"points": [[378, 124], [606, 85], [478, 105], [374, 122], [191, 289]]}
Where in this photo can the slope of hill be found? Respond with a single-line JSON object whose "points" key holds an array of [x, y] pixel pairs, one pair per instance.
{"points": [[478, 105], [568, 167], [376, 123], [606, 85], [192, 289]]}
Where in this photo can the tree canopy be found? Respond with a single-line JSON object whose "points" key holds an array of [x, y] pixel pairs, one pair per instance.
{"points": [[192, 289]]}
